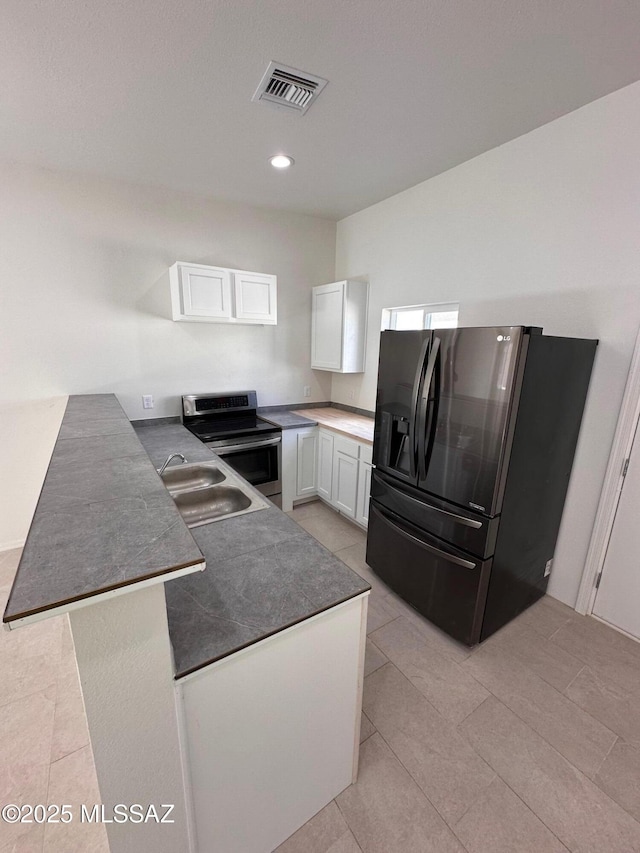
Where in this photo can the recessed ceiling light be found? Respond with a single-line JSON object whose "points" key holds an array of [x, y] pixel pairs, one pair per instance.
{"points": [[281, 161]]}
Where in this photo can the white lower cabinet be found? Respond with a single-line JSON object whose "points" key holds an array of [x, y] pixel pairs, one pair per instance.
{"points": [[318, 461], [271, 733], [364, 491], [345, 483], [299, 458], [325, 464], [307, 470]]}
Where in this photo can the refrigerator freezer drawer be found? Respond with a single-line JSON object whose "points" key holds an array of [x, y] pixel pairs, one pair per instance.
{"points": [[462, 528], [444, 584]]}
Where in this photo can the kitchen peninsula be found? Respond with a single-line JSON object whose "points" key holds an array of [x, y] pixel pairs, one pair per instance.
{"points": [[243, 707]]}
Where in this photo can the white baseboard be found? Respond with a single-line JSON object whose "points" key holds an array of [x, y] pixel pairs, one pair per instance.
{"points": [[9, 546]]}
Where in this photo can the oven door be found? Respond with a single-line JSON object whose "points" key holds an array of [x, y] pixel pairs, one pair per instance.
{"points": [[255, 459]]}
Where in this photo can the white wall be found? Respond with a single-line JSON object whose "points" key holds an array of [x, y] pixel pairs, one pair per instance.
{"points": [[79, 262], [541, 231]]}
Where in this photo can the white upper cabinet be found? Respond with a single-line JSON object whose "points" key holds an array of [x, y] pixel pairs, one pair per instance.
{"points": [[339, 326], [256, 297], [204, 294]]}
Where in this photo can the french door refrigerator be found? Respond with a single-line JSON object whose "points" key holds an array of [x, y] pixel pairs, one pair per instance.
{"points": [[475, 434]]}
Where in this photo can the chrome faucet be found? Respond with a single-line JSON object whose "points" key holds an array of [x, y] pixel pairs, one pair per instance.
{"points": [[169, 458]]}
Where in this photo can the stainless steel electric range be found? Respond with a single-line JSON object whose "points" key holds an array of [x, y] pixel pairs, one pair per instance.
{"points": [[229, 425]]}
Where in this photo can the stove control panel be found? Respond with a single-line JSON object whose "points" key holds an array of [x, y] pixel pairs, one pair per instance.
{"points": [[197, 405], [216, 404]]}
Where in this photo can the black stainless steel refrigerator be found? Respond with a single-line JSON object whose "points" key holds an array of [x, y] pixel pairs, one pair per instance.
{"points": [[475, 434]]}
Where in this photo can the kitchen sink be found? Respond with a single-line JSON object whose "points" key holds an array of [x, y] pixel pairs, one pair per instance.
{"points": [[205, 492], [184, 478], [202, 505]]}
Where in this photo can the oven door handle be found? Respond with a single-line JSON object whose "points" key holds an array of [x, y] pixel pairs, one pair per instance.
{"points": [[250, 445]]}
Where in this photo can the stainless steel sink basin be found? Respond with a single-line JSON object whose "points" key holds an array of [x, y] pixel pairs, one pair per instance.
{"points": [[185, 478], [210, 491], [203, 505]]}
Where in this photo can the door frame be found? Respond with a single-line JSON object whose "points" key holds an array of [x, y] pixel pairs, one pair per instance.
{"points": [[612, 486]]}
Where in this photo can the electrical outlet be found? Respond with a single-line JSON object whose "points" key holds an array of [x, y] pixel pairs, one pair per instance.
{"points": [[147, 401], [307, 390], [352, 395]]}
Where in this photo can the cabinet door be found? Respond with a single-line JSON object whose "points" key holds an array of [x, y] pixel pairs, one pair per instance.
{"points": [[364, 490], [327, 313], [307, 480], [345, 483], [205, 292], [256, 298], [325, 465]]}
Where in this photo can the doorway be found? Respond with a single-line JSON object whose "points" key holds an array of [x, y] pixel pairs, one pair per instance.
{"points": [[618, 594], [610, 588]]}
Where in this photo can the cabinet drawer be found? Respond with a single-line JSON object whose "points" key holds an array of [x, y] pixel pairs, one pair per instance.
{"points": [[346, 446], [366, 453], [444, 584], [463, 528]]}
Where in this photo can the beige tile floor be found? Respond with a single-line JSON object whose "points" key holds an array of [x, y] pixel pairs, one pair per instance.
{"points": [[45, 756], [527, 744]]}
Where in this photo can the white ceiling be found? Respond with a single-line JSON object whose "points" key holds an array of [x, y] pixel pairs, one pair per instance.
{"points": [[159, 91]]}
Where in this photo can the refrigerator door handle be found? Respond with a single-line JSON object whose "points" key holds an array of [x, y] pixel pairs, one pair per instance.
{"points": [[450, 558], [433, 413], [468, 522], [413, 441], [424, 402]]}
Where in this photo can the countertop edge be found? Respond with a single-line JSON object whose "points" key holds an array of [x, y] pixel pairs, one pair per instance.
{"points": [[12, 618], [344, 430], [57, 609], [252, 644], [301, 421], [301, 418]]}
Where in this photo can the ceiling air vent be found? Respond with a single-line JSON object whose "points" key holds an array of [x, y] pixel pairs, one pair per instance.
{"points": [[288, 87]]}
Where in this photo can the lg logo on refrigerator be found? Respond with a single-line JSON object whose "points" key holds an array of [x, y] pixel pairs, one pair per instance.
{"points": [[503, 338]]}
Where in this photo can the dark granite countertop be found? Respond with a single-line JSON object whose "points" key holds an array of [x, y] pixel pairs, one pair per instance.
{"points": [[104, 519], [288, 419], [357, 423], [264, 573]]}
